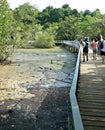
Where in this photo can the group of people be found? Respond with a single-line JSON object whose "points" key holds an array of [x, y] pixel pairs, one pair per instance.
{"points": [[95, 45]]}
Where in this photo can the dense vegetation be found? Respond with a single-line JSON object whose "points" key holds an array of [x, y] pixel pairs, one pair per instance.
{"points": [[26, 25]]}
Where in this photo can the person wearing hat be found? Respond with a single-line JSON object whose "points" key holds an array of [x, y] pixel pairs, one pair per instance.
{"points": [[85, 49]]}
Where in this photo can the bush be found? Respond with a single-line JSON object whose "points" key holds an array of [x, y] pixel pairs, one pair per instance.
{"points": [[44, 40], [5, 51]]}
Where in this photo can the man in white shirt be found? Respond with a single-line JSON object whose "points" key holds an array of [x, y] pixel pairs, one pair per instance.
{"points": [[103, 48]]}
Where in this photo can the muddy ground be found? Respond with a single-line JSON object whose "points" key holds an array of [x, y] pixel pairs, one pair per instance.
{"points": [[34, 89]]}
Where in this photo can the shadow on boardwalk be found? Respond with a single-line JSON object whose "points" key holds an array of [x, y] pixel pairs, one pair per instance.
{"points": [[91, 93]]}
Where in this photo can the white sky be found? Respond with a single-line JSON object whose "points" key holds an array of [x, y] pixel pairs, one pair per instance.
{"points": [[80, 5]]}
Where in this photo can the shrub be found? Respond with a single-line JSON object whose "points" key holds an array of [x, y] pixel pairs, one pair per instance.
{"points": [[44, 40]]}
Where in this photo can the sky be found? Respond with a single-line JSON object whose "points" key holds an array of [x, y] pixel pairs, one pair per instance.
{"points": [[80, 5]]}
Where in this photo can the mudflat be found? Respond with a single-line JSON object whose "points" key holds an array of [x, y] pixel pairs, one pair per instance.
{"points": [[34, 89]]}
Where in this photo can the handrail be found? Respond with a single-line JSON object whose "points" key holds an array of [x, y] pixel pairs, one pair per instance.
{"points": [[69, 43], [77, 122], [73, 108], [76, 117]]}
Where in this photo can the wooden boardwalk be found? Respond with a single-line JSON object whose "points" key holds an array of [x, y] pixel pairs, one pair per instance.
{"points": [[91, 93]]}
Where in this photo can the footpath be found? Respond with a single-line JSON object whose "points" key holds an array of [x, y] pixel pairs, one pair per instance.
{"points": [[91, 93]]}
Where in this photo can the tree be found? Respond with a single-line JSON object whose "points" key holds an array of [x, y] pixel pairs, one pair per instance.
{"points": [[96, 13], [26, 13], [68, 29], [75, 12], [5, 16], [87, 12], [66, 10], [25, 24]]}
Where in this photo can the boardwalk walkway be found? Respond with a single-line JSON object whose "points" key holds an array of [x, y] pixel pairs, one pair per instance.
{"points": [[91, 93]]}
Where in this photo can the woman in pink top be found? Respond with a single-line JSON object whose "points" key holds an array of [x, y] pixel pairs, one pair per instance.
{"points": [[95, 48]]}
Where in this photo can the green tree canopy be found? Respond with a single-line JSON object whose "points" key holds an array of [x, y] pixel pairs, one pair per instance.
{"points": [[5, 17]]}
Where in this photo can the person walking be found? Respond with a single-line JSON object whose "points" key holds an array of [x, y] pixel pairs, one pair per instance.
{"points": [[85, 49], [95, 48], [102, 48]]}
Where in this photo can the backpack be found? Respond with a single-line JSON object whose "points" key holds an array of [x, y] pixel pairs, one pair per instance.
{"points": [[86, 44], [85, 49], [101, 45]]}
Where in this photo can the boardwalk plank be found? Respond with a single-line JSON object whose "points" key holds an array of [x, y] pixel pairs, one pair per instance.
{"points": [[95, 123], [94, 128], [91, 94]]}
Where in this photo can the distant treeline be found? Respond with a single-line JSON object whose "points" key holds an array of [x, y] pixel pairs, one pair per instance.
{"points": [[26, 23]]}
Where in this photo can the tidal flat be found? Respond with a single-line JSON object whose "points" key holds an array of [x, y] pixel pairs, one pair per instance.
{"points": [[35, 87]]}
